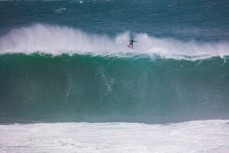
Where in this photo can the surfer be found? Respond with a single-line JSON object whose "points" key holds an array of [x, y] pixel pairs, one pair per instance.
{"points": [[131, 43]]}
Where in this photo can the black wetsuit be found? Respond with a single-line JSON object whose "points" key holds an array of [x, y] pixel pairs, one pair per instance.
{"points": [[131, 43]]}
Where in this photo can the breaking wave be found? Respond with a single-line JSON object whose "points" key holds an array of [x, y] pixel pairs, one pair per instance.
{"points": [[56, 40]]}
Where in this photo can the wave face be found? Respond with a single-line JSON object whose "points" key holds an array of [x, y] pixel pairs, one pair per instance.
{"points": [[89, 88]]}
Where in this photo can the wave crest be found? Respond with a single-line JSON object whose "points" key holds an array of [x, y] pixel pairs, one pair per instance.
{"points": [[56, 40]]}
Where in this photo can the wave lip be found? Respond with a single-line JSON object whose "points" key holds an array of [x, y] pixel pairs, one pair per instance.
{"points": [[56, 40]]}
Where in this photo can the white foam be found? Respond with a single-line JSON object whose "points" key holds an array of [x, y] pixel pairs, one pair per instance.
{"points": [[59, 10], [189, 137], [56, 40]]}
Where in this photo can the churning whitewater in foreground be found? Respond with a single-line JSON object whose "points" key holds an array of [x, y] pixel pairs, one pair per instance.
{"points": [[189, 137]]}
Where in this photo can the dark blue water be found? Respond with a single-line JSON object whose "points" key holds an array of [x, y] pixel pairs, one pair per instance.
{"points": [[203, 20]]}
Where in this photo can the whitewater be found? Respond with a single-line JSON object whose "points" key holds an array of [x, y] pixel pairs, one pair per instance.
{"points": [[210, 136], [57, 40]]}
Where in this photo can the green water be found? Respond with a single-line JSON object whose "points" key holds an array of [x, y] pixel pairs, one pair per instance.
{"points": [[94, 88]]}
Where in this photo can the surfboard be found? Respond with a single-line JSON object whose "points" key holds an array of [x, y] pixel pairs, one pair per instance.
{"points": [[129, 46]]}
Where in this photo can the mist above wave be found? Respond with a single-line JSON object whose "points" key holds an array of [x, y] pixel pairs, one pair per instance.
{"points": [[56, 40]]}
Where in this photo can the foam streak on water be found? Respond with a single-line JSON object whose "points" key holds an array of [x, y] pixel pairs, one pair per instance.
{"points": [[209, 136]]}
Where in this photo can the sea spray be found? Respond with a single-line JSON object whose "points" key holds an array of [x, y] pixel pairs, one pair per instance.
{"points": [[56, 40]]}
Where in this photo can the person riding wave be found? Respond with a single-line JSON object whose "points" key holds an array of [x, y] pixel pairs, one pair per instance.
{"points": [[131, 45]]}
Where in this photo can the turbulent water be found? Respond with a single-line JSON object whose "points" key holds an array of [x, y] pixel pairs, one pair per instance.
{"points": [[65, 65], [190, 137]]}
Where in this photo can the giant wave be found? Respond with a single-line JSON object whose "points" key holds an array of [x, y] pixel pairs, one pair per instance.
{"points": [[53, 73], [96, 89]]}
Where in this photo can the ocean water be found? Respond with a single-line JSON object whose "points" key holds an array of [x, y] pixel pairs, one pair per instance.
{"points": [[191, 137], [69, 83]]}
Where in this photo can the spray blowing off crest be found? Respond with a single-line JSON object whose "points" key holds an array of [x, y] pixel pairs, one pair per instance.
{"points": [[57, 40], [53, 39]]}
